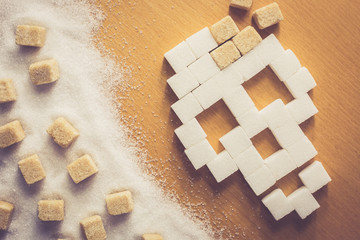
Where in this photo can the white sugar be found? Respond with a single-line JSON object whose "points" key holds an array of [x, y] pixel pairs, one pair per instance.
{"points": [[78, 97]]}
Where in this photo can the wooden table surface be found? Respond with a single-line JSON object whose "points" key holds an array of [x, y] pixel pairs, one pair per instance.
{"points": [[324, 36]]}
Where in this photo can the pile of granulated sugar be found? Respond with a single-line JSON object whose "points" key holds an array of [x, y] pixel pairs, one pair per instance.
{"points": [[77, 97]]}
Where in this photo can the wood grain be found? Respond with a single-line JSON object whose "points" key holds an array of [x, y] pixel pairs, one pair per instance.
{"points": [[323, 34]]}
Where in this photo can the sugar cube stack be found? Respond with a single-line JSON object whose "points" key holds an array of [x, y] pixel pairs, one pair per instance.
{"points": [[314, 176], [7, 90], [28, 35], [303, 202], [201, 42], [222, 166], [252, 122], [249, 161], [224, 30], [268, 15], [235, 142], [209, 92], [247, 39], [200, 154], [204, 68], [260, 180], [183, 83], [300, 83], [288, 134], [302, 151], [229, 78], [180, 57], [238, 101], [301, 108], [278, 204], [190, 133], [275, 114], [269, 49], [280, 163], [249, 65], [6, 210], [225, 54], [11, 133], [187, 108], [285, 65]]}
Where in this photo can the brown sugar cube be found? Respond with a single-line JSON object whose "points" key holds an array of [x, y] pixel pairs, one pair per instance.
{"points": [[33, 36], [151, 236], [247, 39], [7, 90], [51, 210], [62, 132], [224, 29], [119, 203], [268, 15], [6, 210], [82, 168], [93, 228], [31, 169], [11, 133], [44, 72], [225, 54], [242, 4]]}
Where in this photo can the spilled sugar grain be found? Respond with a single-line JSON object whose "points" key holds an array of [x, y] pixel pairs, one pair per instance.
{"points": [[76, 96]]}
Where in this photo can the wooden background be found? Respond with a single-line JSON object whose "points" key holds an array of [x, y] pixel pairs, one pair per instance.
{"points": [[323, 34]]}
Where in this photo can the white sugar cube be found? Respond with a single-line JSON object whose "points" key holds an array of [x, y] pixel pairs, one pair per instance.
{"points": [[229, 79], [200, 154], [204, 68], [300, 83], [280, 163], [187, 108], [238, 101], [183, 83], [201, 42], [278, 204], [301, 108], [180, 57], [303, 202], [286, 65], [249, 161], [209, 92], [252, 122], [275, 114], [249, 65], [260, 180], [314, 176], [222, 166], [302, 151], [269, 49], [288, 134], [236, 141], [190, 133]]}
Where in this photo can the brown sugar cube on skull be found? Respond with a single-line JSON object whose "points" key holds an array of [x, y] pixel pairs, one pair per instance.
{"points": [[51, 210], [7, 90], [119, 203], [247, 39], [82, 168], [93, 228], [31, 169], [225, 54], [27, 35], [11, 133], [268, 15], [6, 210], [224, 29], [63, 132], [44, 72]]}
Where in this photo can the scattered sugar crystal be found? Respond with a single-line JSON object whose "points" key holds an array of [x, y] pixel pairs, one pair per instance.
{"points": [[93, 228], [180, 57], [222, 166], [62, 132], [119, 203], [201, 42], [44, 72], [301, 108], [7, 90], [225, 54], [6, 210], [314, 176], [27, 35], [32, 169], [247, 39], [249, 161], [183, 83], [268, 15], [11, 133], [224, 30], [190, 133], [235, 142], [277, 203], [51, 210], [303, 202]]}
